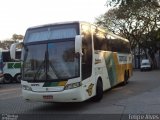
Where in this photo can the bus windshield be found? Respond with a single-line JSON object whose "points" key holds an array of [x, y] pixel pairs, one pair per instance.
{"points": [[52, 61]]}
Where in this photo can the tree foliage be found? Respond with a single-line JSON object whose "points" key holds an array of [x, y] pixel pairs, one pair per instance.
{"points": [[5, 44], [17, 37], [136, 20], [129, 2]]}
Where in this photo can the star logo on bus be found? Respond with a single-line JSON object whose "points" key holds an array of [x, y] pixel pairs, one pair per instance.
{"points": [[90, 88]]}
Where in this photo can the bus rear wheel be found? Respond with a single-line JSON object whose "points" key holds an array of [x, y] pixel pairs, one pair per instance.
{"points": [[126, 76], [7, 78]]}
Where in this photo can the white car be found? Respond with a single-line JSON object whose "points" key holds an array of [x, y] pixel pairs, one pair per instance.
{"points": [[146, 65]]}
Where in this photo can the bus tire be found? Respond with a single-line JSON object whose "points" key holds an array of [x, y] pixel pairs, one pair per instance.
{"points": [[18, 77], [99, 91], [7, 78], [125, 78], [128, 76]]}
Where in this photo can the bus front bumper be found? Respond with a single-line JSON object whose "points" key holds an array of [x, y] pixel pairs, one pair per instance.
{"points": [[71, 95]]}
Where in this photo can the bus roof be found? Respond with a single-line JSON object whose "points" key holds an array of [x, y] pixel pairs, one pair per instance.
{"points": [[51, 24], [72, 22]]}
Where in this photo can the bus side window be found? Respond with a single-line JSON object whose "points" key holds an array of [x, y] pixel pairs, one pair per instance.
{"points": [[18, 55], [6, 57], [100, 40]]}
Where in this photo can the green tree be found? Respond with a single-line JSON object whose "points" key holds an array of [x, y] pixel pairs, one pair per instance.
{"points": [[5, 44], [129, 2], [17, 37], [136, 20]]}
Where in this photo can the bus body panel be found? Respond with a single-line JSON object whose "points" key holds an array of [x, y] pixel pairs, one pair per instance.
{"points": [[111, 67], [38, 90], [70, 95], [100, 69], [12, 68]]}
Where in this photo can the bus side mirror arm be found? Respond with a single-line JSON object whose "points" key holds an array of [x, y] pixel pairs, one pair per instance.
{"points": [[78, 44]]}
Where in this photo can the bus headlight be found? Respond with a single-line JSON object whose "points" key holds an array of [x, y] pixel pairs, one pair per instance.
{"points": [[73, 85], [25, 87]]}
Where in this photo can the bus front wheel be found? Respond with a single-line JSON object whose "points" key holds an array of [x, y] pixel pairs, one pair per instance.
{"points": [[7, 78], [99, 91]]}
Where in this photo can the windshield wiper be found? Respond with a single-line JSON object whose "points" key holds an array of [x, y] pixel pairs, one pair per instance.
{"points": [[43, 63], [46, 65], [54, 70]]}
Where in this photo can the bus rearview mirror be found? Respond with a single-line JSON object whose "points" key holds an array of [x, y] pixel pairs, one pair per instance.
{"points": [[13, 51], [78, 44]]}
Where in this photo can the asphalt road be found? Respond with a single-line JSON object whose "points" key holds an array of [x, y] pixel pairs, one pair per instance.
{"points": [[139, 97]]}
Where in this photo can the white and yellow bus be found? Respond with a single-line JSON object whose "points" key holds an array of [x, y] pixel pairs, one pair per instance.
{"points": [[72, 62]]}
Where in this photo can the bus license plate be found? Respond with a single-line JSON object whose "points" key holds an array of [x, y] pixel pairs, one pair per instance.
{"points": [[48, 97]]}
